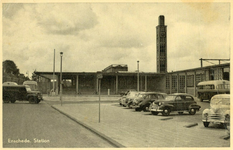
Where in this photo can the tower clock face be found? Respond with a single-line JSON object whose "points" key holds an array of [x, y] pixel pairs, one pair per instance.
{"points": [[163, 34]]}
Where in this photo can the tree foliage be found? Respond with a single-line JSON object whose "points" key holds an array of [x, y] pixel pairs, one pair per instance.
{"points": [[10, 67]]}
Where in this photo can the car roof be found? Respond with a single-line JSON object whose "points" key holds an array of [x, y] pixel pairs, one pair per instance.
{"points": [[15, 86], [213, 82], [221, 96], [147, 93], [9, 83], [175, 94]]}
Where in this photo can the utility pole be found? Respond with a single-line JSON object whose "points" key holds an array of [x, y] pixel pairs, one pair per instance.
{"points": [[138, 76]]}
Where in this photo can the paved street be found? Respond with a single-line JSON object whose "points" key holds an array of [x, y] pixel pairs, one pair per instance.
{"points": [[121, 125], [30, 125], [141, 129]]}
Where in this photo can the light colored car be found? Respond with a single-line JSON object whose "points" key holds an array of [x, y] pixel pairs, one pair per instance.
{"points": [[123, 96], [130, 95], [219, 111]]}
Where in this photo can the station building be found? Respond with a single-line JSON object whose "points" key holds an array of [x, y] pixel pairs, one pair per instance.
{"points": [[116, 78]]}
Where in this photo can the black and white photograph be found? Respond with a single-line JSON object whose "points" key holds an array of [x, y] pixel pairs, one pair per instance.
{"points": [[116, 74]]}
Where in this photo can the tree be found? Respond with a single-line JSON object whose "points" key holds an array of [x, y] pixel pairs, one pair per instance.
{"points": [[10, 67], [34, 76]]}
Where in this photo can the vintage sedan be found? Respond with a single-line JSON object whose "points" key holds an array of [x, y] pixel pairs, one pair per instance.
{"points": [[145, 99], [219, 111], [177, 102], [130, 95]]}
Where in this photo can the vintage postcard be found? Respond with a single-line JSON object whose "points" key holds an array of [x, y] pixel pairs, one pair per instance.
{"points": [[116, 74]]}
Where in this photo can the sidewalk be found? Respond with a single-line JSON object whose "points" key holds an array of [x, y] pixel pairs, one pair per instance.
{"points": [[127, 128], [82, 98]]}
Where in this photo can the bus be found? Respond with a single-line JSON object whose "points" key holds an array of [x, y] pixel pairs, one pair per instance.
{"points": [[207, 89], [33, 85]]}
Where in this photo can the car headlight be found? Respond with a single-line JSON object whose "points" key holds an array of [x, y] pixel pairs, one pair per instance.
{"points": [[206, 114], [160, 103]]}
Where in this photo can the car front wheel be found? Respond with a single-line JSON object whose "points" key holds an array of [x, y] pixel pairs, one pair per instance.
{"points": [[206, 124], [192, 111], [166, 112]]}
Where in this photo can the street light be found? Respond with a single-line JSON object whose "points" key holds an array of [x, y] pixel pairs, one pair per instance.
{"points": [[138, 77], [61, 82]]}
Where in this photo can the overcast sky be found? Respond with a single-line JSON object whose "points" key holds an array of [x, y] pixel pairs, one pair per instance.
{"points": [[93, 36]]}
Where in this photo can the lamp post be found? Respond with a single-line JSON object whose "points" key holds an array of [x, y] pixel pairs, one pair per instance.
{"points": [[138, 77], [61, 82], [53, 73]]}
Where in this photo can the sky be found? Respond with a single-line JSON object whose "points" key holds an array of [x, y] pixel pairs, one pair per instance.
{"points": [[93, 36]]}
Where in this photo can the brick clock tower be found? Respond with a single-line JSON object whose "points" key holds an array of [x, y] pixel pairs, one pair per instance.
{"points": [[161, 45]]}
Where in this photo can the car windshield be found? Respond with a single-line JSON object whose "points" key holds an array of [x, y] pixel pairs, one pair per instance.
{"points": [[28, 89], [220, 101], [141, 95], [170, 97]]}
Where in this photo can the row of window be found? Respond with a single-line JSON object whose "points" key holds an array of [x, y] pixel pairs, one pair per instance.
{"points": [[211, 86], [190, 81]]}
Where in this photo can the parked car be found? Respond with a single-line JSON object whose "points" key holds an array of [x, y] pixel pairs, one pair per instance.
{"points": [[219, 111], [131, 100], [178, 102], [11, 93], [128, 97], [123, 96], [143, 101]]}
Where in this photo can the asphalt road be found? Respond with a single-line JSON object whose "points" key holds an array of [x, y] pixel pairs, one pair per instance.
{"points": [[38, 125]]}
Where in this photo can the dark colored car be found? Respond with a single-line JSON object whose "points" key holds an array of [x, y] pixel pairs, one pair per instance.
{"points": [[144, 100], [177, 102], [11, 93]]}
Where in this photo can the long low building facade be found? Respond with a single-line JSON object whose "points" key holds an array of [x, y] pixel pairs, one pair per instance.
{"points": [[115, 81]]}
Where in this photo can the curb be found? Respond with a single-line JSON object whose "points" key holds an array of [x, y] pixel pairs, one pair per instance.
{"points": [[111, 141], [191, 125]]}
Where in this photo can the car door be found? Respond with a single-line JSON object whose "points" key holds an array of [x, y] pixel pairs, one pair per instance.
{"points": [[188, 101], [179, 103]]}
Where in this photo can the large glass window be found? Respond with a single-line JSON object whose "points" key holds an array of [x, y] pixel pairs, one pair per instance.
{"points": [[167, 82], [190, 80], [182, 82], [174, 82]]}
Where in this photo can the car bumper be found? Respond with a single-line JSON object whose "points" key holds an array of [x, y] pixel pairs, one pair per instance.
{"points": [[155, 110], [215, 121], [134, 107]]}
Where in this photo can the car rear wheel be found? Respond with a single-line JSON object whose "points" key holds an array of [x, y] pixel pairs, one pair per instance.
{"points": [[6, 99], [192, 111], [138, 109], [166, 112], [31, 100], [154, 113], [206, 124], [13, 101]]}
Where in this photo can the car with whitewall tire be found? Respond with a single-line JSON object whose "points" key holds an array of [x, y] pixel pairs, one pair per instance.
{"points": [[219, 111], [177, 102]]}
